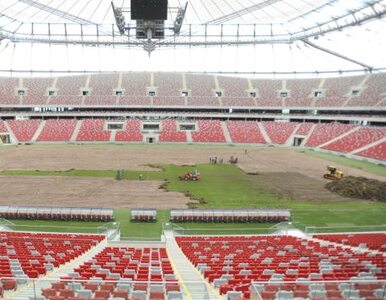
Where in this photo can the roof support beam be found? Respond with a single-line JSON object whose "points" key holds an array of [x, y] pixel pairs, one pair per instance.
{"points": [[307, 42], [57, 12], [241, 12]]}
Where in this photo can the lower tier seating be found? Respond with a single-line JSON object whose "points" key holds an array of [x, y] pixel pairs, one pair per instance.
{"points": [[26, 255], [125, 272], [326, 135], [231, 263], [374, 241]]}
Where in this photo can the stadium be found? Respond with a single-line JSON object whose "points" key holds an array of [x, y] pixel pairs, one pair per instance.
{"points": [[219, 149]]}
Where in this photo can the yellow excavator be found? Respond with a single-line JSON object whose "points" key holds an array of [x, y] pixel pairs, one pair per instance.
{"points": [[333, 173]]}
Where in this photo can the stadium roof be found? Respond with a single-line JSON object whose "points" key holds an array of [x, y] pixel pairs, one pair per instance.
{"points": [[261, 36]]}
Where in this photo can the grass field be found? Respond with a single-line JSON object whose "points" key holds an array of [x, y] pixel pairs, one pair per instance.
{"points": [[222, 186]]}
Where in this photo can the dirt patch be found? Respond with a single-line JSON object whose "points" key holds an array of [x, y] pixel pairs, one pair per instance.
{"points": [[89, 192], [359, 187], [295, 186]]}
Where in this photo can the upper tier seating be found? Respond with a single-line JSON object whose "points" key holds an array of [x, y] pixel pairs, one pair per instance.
{"points": [[325, 132], [7, 91], [268, 92], [304, 129], [93, 130], [245, 132], [69, 90], [301, 92], [113, 270], [134, 84], [169, 132], [237, 102], [169, 101], [24, 130], [200, 86], [233, 87], [362, 137], [337, 90], [132, 132], [374, 241], [376, 152], [168, 84], [279, 132], [30, 255], [231, 263], [36, 93], [208, 131], [57, 130], [102, 87], [374, 92], [203, 101]]}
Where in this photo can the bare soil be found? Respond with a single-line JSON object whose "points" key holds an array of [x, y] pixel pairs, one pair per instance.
{"points": [[285, 172], [87, 192]]}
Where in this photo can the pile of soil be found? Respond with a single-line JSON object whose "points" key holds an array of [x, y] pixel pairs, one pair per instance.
{"points": [[359, 187]]}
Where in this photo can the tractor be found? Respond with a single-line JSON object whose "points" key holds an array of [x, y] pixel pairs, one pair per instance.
{"points": [[333, 173], [190, 176]]}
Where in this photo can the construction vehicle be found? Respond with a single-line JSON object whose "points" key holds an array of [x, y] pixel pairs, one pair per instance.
{"points": [[193, 176], [333, 173]]}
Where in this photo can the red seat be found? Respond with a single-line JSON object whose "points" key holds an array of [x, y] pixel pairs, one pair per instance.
{"points": [[48, 292], [121, 294], [9, 284]]}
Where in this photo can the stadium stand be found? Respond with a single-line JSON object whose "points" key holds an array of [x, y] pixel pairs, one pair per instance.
{"points": [[24, 130], [57, 130], [101, 87], [355, 140], [134, 87], [237, 102], [279, 132], [376, 152], [166, 101], [134, 84], [268, 92], [233, 87], [304, 129], [203, 101], [93, 130], [209, 131], [200, 86], [300, 92], [373, 241], [36, 90], [245, 132], [168, 84], [231, 263], [132, 132], [8, 91], [68, 90], [2, 127], [337, 90], [124, 272], [143, 215], [56, 213], [374, 91], [325, 132], [30, 255], [229, 215], [169, 132]]}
